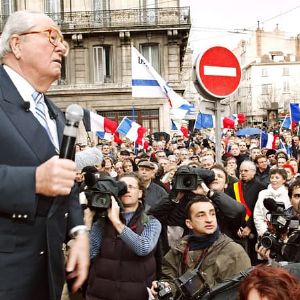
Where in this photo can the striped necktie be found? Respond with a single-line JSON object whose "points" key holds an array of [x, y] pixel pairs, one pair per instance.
{"points": [[40, 112]]}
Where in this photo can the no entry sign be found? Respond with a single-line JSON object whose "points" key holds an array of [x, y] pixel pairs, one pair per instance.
{"points": [[218, 72]]}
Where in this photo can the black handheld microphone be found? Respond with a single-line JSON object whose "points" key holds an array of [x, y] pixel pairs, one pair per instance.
{"points": [[74, 114], [26, 106]]}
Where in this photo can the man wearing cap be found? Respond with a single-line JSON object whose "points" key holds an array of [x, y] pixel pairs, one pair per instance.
{"points": [[153, 193]]}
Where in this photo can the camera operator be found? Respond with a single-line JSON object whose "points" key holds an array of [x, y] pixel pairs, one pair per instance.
{"points": [[123, 246], [289, 240], [205, 256], [171, 211]]}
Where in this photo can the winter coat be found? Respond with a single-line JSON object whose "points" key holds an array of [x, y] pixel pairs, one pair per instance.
{"points": [[222, 260]]}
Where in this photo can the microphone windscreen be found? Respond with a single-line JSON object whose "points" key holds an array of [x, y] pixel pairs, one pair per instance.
{"points": [[270, 204]]}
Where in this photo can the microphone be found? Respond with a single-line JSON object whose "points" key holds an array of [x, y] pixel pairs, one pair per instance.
{"points": [[74, 114], [271, 205], [26, 106]]}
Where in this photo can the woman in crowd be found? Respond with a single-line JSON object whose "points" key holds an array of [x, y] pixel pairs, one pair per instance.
{"points": [[269, 283], [277, 191]]}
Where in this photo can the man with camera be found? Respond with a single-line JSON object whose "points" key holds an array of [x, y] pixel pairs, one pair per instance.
{"points": [[204, 257], [187, 183], [123, 245], [282, 241]]}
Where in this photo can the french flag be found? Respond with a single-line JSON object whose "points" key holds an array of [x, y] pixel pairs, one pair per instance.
{"points": [[96, 123], [227, 123], [104, 135], [295, 112], [239, 118], [132, 130], [268, 140]]}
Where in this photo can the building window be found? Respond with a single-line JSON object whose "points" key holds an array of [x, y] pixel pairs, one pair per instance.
{"points": [[148, 118], [102, 64], [101, 5], [264, 72], [265, 88], [151, 53], [286, 87], [286, 71], [7, 7], [52, 6]]}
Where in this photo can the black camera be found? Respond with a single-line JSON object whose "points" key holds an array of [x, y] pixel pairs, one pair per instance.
{"points": [[192, 285], [282, 223], [188, 178], [99, 194], [164, 291]]}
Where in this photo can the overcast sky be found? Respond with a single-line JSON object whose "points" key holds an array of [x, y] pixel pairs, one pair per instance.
{"points": [[223, 22]]}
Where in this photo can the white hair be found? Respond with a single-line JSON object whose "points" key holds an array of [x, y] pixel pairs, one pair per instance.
{"points": [[89, 157], [19, 22]]}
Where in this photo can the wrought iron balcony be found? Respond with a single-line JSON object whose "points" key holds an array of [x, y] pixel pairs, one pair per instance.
{"points": [[105, 20], [125, 18]]}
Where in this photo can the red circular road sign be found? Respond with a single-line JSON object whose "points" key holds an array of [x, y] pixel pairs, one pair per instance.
{"points": [[218, 72]]}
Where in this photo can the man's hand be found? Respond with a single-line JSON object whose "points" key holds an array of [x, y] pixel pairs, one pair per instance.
{"points": [[78, 261], [244, 232], [55, 177], [263, 252], [113, 214]]}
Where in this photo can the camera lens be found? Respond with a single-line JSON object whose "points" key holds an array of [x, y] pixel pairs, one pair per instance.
{"points": [[267, 242], [187, 181]]}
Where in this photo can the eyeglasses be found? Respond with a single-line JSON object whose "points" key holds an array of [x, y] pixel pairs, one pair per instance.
{"points": [[132, 187], [54, 35]]}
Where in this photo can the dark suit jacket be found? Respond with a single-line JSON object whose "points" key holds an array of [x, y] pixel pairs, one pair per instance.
{"points": [[32, 227]]}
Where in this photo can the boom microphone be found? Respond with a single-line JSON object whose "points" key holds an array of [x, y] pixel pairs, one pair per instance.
{"points": [[74, 114]]}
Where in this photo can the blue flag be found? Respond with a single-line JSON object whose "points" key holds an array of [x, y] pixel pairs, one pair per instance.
{"points": [[295, 112], [204, 121], [286, 123]]}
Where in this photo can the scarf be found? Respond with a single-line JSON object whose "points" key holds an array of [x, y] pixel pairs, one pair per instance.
{"points": [[202, 242]]}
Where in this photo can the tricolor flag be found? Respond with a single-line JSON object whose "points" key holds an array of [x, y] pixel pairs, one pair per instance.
{"points": [[239, 118], [97, 123], [104, 135], [147, 83], [295, 112], [175, 125], [204, 121], [227, 123], [268, 140], [132, 130]]}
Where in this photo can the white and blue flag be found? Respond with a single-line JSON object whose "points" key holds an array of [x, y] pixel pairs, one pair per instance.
{"points": [[147, 83]]}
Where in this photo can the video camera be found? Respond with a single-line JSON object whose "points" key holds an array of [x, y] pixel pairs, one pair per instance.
{"points": [[100, 189], [188, 178], [282, 223]]}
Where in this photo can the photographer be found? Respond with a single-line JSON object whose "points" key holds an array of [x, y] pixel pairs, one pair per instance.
{"points": [[187, 183], [123, 246], [204, 256]]}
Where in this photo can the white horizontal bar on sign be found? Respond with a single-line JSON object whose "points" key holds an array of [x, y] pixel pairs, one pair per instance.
{"points": [[219, 71]]}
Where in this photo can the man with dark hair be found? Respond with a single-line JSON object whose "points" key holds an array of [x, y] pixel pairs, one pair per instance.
{"points": [[214, 254], [262, 170]]}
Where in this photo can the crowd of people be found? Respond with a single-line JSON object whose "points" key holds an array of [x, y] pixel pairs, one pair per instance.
{"points": [[230, 204], [125, 224]]}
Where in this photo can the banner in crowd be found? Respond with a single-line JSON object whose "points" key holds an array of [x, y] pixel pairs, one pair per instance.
{"points": [[147, 83]]}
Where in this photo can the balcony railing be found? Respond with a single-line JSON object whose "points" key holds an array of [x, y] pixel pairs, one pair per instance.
{"points": [[125, 18]]}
